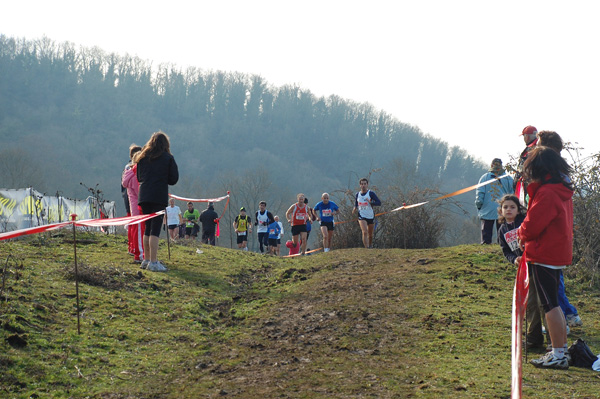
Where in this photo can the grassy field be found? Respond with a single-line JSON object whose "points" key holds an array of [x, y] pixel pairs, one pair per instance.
{"points": [[226, 324]]}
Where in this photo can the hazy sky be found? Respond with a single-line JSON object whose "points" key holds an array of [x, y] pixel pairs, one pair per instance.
{"points": [[471, 72]]}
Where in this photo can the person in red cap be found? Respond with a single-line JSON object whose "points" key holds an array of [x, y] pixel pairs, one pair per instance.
{"points": [[529, 134], [530, 137]]}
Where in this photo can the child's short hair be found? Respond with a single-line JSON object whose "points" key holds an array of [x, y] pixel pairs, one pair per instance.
{"points": [[513, 198], [364, 179], [263, 203], [133, 148]]}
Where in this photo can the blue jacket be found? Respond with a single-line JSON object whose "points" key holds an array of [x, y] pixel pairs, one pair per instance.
{"points": [[487, 197]]}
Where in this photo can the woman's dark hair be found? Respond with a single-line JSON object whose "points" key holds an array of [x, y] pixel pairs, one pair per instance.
{"points": [[154, 148], [545, 165], [550, 139], [513, 198]]}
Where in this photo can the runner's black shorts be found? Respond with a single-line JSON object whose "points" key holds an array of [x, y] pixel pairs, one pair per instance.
{"points": [[369, 221], [329, 225], [241, 238], [192, 231], [301, 228], [272, 242], [173, 226]]}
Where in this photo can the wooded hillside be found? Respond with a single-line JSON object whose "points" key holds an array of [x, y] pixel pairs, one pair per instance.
{"points": [[68, 115]]}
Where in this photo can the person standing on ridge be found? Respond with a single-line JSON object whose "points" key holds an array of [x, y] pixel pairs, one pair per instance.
{"points": [[130, 182], [487, 197], [156, 171], [546, 235], [208, 218]]}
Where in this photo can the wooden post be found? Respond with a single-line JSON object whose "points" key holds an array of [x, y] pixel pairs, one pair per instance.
{"points": [[73, 217]]}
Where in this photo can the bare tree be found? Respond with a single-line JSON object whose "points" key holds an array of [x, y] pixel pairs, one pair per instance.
{"points": [[19, 170]]}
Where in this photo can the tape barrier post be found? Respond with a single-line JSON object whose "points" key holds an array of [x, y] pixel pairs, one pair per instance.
{"points": [[73, 217], [169, 241], [520, 294]]}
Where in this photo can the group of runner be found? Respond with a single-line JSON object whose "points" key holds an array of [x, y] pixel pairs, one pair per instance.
{"points": [[300, 216]]}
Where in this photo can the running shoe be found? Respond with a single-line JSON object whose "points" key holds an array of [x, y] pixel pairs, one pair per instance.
{"points": [[574, 320], [548, 361], [157, 267]]}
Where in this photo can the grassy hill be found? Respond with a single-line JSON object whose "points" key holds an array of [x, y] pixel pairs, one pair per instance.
{"points": [[225, 324]]}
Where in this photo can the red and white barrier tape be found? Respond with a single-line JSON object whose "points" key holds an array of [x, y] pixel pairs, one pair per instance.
{"points": [[122, 221]]}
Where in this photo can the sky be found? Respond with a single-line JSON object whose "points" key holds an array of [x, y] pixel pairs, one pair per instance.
{"points": [[472, 73]]}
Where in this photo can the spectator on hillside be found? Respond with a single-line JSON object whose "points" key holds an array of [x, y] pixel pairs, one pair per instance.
{"points": [[553, 140], [208, 218], [487, 197], [546, 235], [519, 184], [156, 171], [130, 182]]}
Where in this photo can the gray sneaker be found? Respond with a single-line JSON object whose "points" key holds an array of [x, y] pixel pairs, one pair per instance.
{"points": [[157, 267], [144, 264], [548, 361], [574, 320]]}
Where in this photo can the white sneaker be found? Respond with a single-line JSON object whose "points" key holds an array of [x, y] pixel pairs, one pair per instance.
{"points": [[145, 264], [550, 362], [157, 267], [574, 320], [326, 250]]}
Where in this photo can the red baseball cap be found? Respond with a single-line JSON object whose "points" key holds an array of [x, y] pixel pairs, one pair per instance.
{"points": [[529, 130]]}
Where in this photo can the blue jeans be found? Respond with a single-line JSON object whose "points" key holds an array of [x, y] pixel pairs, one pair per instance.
{"points": [[563, 301]]}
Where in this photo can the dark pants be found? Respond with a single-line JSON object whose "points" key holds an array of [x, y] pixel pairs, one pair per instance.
{"points": [[487, 230], [535, 316], [263, 240], [208, 237]]}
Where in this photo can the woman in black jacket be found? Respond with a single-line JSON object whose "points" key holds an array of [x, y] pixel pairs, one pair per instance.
{"points": [[156, 171]]}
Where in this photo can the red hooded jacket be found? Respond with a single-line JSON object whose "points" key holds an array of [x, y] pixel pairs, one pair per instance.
{"points": [[548, 227]]}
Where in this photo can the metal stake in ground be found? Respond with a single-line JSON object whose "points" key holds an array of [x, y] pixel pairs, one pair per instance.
{"points": [[73, 217], [4, 277], [168, 235]]}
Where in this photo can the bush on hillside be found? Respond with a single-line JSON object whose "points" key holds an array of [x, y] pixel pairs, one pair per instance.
{"points": [[586, 209]]}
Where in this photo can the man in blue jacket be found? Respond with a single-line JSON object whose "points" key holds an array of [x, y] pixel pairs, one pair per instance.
{"points": [[486, 198]]}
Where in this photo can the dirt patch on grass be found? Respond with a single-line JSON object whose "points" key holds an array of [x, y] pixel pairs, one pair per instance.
{"points": [[108, 277], [342, 326]]}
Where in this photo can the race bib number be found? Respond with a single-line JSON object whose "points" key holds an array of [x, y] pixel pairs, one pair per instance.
{"points": [[363, 206], [512, 239], [241, 233], [327, 212], [272, 231], [300, 217]]}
